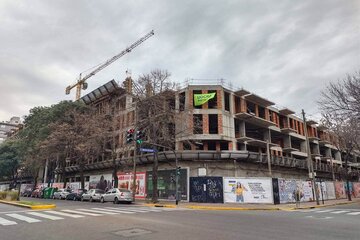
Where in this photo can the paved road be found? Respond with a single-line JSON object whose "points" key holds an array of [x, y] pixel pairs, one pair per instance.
{"points": [[96, 221]]}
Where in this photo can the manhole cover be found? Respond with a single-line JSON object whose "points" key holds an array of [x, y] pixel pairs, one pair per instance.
{"points": [[132, 232]]}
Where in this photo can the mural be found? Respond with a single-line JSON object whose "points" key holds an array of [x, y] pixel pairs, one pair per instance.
{"points": [[103, 182]]}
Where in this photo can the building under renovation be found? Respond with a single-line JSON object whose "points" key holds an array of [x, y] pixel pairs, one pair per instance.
{"points": [[221, 132]]}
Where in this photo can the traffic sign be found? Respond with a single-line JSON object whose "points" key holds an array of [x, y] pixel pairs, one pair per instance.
{"points": [[147, 150]]}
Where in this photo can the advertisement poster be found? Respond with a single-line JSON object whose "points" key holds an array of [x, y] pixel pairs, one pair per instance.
{"points": [[166, 184], [286, 190], [306, 190], [330, 190], [26, 187], [103, 182], [247, 190], [340, 190], [126, 181], [356, 189], [74, 186]]}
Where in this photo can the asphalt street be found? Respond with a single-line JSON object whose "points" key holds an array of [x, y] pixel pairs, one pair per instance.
{"points": [[96, 221]]}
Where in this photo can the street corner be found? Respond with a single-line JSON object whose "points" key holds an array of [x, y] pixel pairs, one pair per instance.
{"points": [[30, 205]]}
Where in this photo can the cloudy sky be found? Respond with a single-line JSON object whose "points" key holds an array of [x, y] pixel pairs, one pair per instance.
{"points": [[285, 51]]}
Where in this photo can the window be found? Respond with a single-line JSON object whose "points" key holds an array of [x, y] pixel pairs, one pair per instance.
{"points": [[250, 108], [186, 146], [196, 92], [261, 112], [227, 101], [211, 145], [182, 101], [213, 123], [212, 103], [224, 146], [198, 124]]}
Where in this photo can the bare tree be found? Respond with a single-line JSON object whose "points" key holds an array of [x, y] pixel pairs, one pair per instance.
{"points": [[342, 97]]}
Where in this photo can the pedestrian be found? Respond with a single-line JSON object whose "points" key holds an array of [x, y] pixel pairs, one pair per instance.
{"points": [[297, 195]]}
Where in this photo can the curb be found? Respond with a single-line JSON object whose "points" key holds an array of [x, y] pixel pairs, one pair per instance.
{"points": [[320, 206], [159, 205], [232, 208], [35, 207]]}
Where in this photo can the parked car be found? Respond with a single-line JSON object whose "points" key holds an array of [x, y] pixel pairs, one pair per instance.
{"points": [[61, 193], [36, 193], [76, 195], [117, 195], [92, 195]]}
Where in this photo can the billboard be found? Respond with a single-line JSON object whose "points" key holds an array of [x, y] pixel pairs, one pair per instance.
{"points": [[103, 181], [330, 190], [287, 189], [247, 190], [76, 185], [126, 181], [356, 189], [340, 190]]}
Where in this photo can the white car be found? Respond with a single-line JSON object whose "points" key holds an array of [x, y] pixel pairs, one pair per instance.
{"points": [[92, 195], [61, 193], [117, 195]]}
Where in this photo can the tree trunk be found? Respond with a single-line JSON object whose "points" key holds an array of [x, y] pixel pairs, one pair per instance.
{"points": [[155, 178], [347, 176], [115, 170], [82, 180]]}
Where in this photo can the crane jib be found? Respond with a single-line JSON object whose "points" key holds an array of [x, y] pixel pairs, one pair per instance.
{"points": [[81, 81]]}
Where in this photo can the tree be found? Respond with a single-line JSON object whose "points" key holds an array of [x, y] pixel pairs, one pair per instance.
{"points": [[340, 109], [342, 97], [9, 161]]}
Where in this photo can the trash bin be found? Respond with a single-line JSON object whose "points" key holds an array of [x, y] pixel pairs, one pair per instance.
{"points": [[48, 192]]}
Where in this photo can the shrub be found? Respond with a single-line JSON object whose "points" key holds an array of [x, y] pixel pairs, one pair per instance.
{"points": [[9, 195], [2, 195]]}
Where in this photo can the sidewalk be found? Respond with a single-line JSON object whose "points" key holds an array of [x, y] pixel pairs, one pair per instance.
{"points": [[244, 207]]}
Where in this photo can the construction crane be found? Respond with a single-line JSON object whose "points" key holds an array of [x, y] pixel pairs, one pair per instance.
{"points": [[81, 82]]}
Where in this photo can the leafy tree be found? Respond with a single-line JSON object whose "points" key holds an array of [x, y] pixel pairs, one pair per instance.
{"points": [[9, 160]]}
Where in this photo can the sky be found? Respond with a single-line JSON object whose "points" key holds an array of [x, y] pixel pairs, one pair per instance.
{"points": [[284, 51]]}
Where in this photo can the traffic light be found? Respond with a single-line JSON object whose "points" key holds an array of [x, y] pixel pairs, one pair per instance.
{"points": [[178, 171], [139, 136], [130, 135]]}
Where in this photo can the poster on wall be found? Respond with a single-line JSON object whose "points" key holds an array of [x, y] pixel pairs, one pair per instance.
{"points": [[330, 190], [286, 190], [356, 189], [166, 184], [340, 190], [74, 186], [126, 181], [306, 190], [247, 190], [322, 191], [103, 182]]}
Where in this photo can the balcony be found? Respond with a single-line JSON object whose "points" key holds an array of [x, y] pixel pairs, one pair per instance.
{"points": [[252, 118], [286, 111]]}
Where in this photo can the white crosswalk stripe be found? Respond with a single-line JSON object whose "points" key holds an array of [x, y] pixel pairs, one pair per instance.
{"points": [[23, 218], [83, 213], [341, 211], [324, 211], [114, 210], [39, 214], [354, 213], [8, 219], [96, 211], [64, 214], [6, 222]]}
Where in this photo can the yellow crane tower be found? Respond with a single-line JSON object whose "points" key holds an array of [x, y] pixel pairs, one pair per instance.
{"points": [[81, 82]]}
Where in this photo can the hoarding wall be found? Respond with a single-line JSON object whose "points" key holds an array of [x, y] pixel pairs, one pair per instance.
{"points": [[126, 181], [248, 190]]}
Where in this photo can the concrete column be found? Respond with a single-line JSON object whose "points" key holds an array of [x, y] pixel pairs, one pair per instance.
{"points": [[287, 141], [242, 129]]}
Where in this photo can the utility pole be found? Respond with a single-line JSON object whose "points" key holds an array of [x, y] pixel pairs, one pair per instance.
{"points": [[268, 156], [310, 161]]}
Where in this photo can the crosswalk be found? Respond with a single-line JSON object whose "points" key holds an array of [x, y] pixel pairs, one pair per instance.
{"points": [[332, 212], [9, 219]]}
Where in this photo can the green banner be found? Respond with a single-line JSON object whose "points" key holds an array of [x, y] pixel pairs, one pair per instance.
{"points": [[200, 99]]}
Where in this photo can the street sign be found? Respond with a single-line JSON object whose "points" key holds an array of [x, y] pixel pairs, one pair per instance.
{"points": [[147, 150]]}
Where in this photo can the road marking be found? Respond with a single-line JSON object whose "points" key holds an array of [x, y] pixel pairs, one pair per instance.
{"points": [[323, 211], [38, 214], [354, 213], [84, 213], [320, 218], [337, 212], [23, 218], [114, 210], [136, 210], [5, 222], [64, 214], [95, 211], [141, 209]]}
